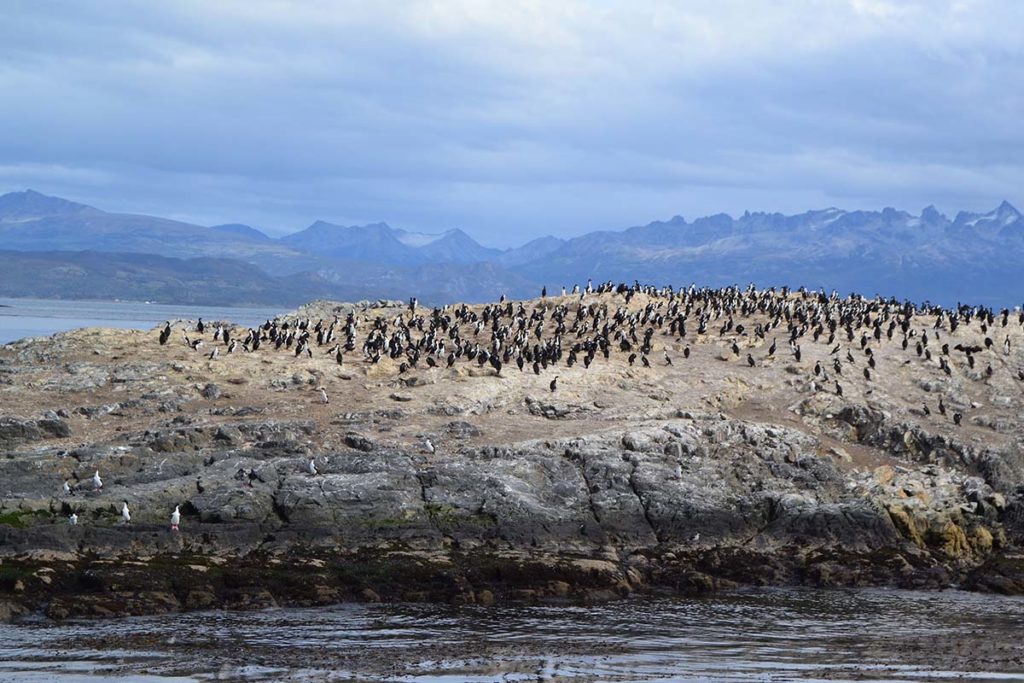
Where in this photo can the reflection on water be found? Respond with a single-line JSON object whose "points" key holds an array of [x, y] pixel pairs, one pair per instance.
{"points": [[20, 318], [759, 635]]}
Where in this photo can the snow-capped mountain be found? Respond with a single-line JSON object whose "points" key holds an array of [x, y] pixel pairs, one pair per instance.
{"points": [[975, 257]]}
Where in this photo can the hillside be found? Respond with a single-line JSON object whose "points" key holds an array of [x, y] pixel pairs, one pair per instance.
{"points": [[145, 277], [30, 221]]}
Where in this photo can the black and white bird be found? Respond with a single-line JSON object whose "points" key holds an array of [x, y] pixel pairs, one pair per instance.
{"points": [[311, 468], [428, 445], [323, 396]]}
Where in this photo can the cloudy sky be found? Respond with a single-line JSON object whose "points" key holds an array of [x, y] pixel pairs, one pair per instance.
{"points": [[511, 120]]}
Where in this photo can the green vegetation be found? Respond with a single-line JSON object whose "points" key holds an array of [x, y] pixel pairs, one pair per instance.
{"points": [[20, 519]]}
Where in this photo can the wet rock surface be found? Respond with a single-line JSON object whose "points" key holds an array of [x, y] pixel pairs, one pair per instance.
{"points": [[476, 486]]}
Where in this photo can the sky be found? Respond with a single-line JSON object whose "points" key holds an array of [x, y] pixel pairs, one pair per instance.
{"points": [[511, 120]]}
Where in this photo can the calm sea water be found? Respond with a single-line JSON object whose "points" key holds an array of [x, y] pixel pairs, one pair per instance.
{"points": [[20, 318], [763, 635]]}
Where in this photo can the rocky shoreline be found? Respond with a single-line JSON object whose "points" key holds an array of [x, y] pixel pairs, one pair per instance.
{"points": [[626, 480]]}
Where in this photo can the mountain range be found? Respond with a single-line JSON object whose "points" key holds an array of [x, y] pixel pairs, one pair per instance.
{"points": [[52, 247]]}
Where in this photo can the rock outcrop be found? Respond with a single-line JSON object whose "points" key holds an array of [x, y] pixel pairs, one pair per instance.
{"points": [[478, 486]]}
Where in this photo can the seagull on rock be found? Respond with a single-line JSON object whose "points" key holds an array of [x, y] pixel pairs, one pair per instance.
{"points": [[175, 518], [125, 514], [312, 467], [73, 519], [97, 483]]}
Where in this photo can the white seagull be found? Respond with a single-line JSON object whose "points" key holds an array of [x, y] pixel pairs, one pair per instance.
{"points": [[96, 481], [429, 445], [125, 514], [323, 396], [175, 518], [312, 467], [73, 519], [67, 488]]}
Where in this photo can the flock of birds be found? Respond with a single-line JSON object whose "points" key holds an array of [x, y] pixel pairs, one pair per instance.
{"points": [[126, 514], [581, 329]]}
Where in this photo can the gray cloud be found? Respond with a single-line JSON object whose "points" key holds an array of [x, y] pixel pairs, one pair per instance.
{"points": [[511, 120]]}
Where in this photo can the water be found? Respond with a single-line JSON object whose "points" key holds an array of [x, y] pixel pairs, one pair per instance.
{"points": [[20, 318], [776, 635]]}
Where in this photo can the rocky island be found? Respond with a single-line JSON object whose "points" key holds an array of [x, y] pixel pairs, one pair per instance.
{"points": [[569, 448]]}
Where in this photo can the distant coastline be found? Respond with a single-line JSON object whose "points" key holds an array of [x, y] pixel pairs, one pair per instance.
{"points": [[52, 247], [25, 317]]}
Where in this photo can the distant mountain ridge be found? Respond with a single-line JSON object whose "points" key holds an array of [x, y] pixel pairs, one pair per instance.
{"points": [[975, 257]]}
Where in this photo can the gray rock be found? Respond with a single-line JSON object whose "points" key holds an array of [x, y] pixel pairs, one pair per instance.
{"points": [[462, 429], [15, 431], [358, 442]]}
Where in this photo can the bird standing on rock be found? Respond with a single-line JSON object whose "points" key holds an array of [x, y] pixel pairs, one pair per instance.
{"points": [[554, 384], [429, 446], [97, 483], [311, 468], [73, 519], [175, 518], [323, 396], [125, 514]]}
